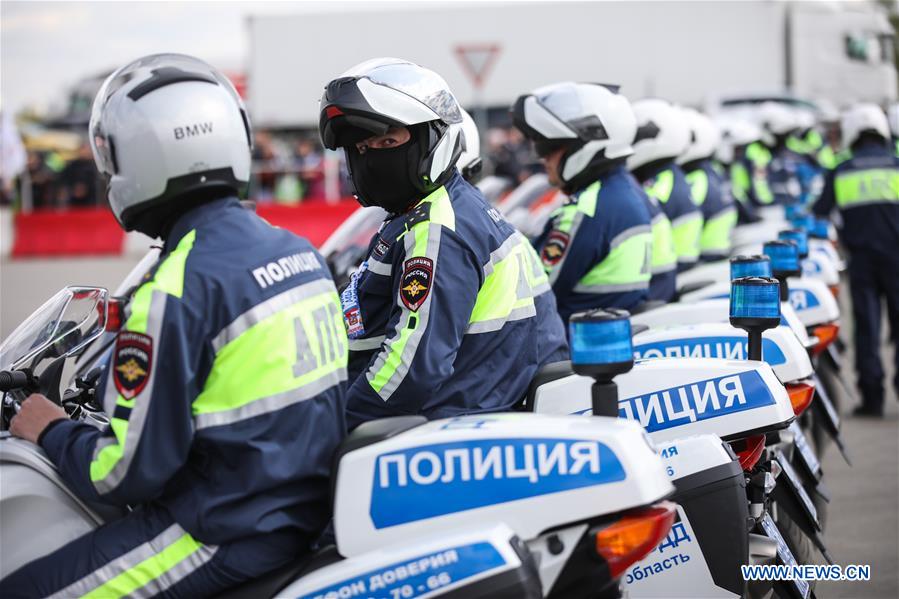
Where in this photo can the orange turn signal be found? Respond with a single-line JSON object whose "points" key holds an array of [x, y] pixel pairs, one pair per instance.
{"points": [[801, 394], [826, 334], [631, 538], [748, 451]]}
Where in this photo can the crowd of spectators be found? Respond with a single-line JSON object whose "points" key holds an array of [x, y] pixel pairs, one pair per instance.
{"points": [[286, 169]]}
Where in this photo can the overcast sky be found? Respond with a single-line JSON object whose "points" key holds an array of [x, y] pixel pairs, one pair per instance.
{"points": [[47, 46]]}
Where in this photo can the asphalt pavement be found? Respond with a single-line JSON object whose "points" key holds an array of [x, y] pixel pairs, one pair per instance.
{"points": [[863, 516]]}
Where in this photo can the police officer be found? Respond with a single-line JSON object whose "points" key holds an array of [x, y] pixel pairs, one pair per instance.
{"points": [[865, 190], [225, 386], [788, 175], [450, 313], [597, 246], [662, 136], [707, 187], [736, 136]]}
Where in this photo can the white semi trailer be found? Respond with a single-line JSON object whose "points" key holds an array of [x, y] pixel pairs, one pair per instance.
{"points": [[683, 50]]}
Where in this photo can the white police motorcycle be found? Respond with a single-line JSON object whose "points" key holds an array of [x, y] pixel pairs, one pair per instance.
{"points": [[504, 505], [705, 470], [813, 295], [688, 405]]}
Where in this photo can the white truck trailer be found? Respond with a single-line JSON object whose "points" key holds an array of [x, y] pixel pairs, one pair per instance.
{"points": [[683, 50]]}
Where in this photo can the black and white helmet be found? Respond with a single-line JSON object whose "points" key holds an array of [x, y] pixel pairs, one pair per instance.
{"points": [[593, 122], [381, 93], [662, 132], [163, 126], [470, 163], [705, 136]]}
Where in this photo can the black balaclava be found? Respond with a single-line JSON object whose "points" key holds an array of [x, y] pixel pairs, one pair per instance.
{"points": [[389, 177]]}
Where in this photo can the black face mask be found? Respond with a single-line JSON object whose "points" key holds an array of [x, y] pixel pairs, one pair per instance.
{"points": [[384, 177]]}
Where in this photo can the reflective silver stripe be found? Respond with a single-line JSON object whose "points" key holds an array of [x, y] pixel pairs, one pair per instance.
{"points": [[271, 403], [366, 344], [686, 218], [176, 573], [380, 268], [658, 218], [487, 326], [268, 308], [541, 289], [423, 315], [627, 234], [855, 204], [575, 225], [138, 417], [663, 268], [723, 212], [611, 288], [507, 247], [139, 554]]}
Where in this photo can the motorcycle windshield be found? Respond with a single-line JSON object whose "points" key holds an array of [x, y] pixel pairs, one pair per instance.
{"points": [[66, 322]]}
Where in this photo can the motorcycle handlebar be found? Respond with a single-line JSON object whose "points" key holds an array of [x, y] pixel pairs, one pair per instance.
{"points": [[13, 380]]}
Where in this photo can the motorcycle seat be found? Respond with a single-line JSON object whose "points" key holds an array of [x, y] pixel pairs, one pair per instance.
{"points": [[546, 374], [368, 433], [691, 287], [647, 306]]}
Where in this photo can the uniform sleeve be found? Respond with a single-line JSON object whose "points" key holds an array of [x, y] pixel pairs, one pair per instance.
{"points": [[149, 384], [827, 200], [435, 294], [568, 251]]}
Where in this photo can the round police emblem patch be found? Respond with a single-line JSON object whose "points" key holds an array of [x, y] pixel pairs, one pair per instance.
{"points": [[416, 282], [131, 363], [554, 248]]}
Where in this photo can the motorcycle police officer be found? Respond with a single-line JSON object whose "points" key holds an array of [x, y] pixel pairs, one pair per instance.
{"points": [[597, 247], [662, 136], [450, 313], [707, 188], [788, 175], [865, 190], [736, 137], [225, 386]]}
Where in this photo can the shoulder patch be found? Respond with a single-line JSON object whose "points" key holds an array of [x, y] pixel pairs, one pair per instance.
{"points": [[419, 214], [381, 248], [555, 247], [132, 362], [418, 275]]}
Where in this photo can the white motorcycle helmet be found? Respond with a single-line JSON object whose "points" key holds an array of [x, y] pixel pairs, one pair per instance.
{"points": [[469, 163], [163, 127], [863, 118], [371, 98], [593, 122], [662, 132], [734, 134], [704, 137], [776, 120], [893, 119], [805, 119]]}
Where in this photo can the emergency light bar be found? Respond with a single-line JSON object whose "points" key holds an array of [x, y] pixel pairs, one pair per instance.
{"points": [[755, 307], [601, 343], [799, 237], [750, 266], [601, 348], [819, 229]]}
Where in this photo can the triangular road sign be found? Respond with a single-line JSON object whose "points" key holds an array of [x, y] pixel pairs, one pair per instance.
{"points": [[477, 60]]}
